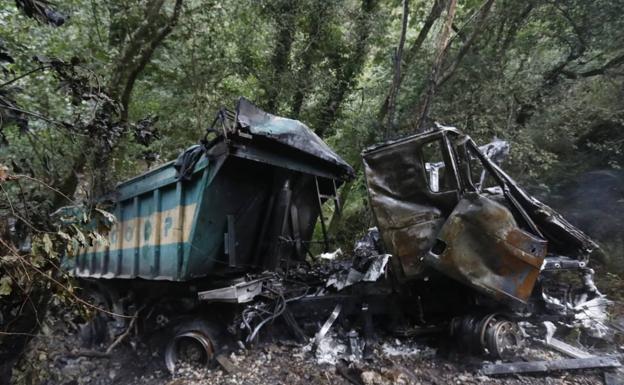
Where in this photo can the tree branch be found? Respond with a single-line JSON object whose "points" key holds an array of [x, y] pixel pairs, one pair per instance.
{"points": [[347, 69], [145, 37], [434, 14], [615, 62], [280, 58], [24, 75], [146, 56], [424, 105], [515, 26], [483, 13]]}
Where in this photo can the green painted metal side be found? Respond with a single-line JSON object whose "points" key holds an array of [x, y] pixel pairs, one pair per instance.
{"points": [[177, 230], [240, 190], [152, 237]]}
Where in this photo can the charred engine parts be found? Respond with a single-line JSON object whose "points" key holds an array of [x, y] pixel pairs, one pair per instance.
{"points": [[493, 335]]}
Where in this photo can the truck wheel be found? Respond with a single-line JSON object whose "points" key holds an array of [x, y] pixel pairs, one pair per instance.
{"points": [[193, 343]]}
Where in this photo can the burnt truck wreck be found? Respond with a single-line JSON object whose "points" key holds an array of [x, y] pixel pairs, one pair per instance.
{"points": [[445, 208], [441, 201], [210, 250]]}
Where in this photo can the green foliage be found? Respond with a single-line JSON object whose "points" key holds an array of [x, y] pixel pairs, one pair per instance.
{"points": [[544, 75], [5, 285]]}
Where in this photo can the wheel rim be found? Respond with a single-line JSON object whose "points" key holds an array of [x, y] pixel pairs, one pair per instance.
{"points": [[192, 347]]}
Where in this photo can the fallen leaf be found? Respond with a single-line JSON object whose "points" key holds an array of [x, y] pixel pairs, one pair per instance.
{"points": [[5, 285]]}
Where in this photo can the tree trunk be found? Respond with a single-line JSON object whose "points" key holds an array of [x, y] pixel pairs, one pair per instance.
{"points": [[514, 26], [132, 60], [424, 105], [302, 87], [314, 34], [394, 88], [347, 70], [345, 192], [434, 14], [139, 50], [280, 59], [476, 30]]}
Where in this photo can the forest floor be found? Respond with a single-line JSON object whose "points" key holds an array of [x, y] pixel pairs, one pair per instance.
{"points": [[57, 356], [52, 359]]}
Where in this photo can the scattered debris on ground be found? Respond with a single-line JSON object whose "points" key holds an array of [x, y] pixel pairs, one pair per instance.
{"points": [[55, 357]]}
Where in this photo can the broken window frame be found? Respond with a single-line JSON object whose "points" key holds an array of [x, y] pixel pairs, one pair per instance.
{"points": [[498, 176], [450, 165], [432, 169], [473, 163]]}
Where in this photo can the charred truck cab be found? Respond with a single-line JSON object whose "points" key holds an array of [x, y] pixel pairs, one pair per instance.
{"points": [[441, 201]]}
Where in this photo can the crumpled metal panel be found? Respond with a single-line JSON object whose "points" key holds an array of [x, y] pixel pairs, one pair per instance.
{"points": [[408, 219], [290, 132], [481, 244], [564, 238]]}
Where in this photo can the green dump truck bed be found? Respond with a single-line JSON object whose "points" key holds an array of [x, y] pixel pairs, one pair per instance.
{"points": [[247, 200]]}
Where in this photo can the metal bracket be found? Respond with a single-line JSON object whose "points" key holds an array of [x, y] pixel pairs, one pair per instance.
{"points": [[238, 293]]}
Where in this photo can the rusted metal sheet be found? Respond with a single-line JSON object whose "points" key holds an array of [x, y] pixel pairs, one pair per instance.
{"points": [[408, 215], [481, 245]]}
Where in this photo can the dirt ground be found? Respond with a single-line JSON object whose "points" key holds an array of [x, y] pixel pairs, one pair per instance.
{"points": [[57, 356], [52, 359]]}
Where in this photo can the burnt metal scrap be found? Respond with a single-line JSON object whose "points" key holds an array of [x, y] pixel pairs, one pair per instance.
{"points": [[547, 366]]}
